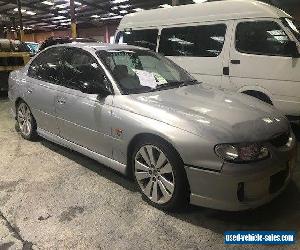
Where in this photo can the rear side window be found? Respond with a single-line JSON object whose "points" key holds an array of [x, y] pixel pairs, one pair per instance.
{"points": [[142, 38], [47, 66], [193, 41], [261, 38]]}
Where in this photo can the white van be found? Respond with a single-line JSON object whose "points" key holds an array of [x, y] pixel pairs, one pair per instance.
{"points": [[241, 45]]}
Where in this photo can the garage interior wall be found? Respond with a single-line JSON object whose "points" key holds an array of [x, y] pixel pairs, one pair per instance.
{"points": [[101, 33]]}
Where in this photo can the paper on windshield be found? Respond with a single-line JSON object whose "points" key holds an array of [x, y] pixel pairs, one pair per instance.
{"points": [[149, 79]]}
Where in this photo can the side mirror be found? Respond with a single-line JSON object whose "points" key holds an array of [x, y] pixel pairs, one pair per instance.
{"points": [[292, 49], [100, 87]]}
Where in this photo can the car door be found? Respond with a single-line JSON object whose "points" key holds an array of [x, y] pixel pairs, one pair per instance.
{"points": [[259, 61], [84, 118], [43, 77], [198, 48]]}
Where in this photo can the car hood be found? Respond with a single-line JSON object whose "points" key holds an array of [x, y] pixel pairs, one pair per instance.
{"points": [[209, 112]]}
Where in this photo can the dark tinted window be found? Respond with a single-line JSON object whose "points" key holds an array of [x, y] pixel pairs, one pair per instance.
{"points": [[81, 69], [47, 66], [198, 41], [143, 38], [261, 37]]}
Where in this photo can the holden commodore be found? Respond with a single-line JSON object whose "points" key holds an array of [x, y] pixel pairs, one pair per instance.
{"points": [[142, 115]]}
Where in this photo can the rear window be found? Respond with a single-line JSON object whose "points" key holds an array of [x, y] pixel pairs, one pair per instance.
{"points": [[142, 38], [13, 46], [193, 41]]}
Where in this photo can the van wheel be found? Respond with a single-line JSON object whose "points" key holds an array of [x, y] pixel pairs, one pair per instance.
{"points": [[259, 95], [160, 174], [26, 122]]}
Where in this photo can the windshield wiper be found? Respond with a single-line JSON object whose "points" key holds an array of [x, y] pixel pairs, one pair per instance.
{"points": [[175, 84]]}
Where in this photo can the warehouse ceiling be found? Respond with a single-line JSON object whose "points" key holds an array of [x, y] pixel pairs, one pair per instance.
{"points": [[55, 14]]}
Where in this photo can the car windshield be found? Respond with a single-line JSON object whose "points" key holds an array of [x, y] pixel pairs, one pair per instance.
{"points": [[140, 71], [293, 27]]}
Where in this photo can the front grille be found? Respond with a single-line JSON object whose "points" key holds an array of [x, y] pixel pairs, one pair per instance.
{"points": [[11, 61], [277, 180], [280, 140]]}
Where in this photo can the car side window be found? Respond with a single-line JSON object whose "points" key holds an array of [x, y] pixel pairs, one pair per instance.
{"points": [[193, 41], [47, 66], [261, 38], [81, 69], [143, 38]]}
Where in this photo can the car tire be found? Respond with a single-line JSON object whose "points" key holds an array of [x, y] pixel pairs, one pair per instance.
{"points": [[26, 123], [159, 173]]}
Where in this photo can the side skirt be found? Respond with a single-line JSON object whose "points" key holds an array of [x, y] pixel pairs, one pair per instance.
{"points": [[93, 155]]}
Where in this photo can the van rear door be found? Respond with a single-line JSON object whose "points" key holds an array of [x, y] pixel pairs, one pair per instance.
{"points": [[259, 61]]}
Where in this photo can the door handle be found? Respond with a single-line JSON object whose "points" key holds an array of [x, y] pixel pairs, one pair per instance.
{"points": [[226, 71], [61, 101], [235, 62]]}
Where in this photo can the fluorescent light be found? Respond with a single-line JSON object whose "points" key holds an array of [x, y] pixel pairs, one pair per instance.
{"points": [[165, 6], [48, 3], [58, 17], [113, 17], [124, 6], [65, 20], [138, 9], [62, 11], [118, 1], [123, 11], [31, 13], [95, 16], [199, 1], [78, 3], [22, 10], [115, 8], [62, 6]]}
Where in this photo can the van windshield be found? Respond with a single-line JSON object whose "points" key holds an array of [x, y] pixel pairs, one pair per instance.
{"points": [[140, 71], [293, 27]]}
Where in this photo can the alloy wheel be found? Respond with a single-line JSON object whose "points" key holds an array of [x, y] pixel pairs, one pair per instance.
{"points": [[154, 174], [24, 119]]}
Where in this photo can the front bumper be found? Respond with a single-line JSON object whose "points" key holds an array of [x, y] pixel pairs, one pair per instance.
{"points": [[242, 186]]}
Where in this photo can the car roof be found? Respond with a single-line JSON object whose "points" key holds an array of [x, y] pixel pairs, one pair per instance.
{"points": [[99, 46], [202, 12]]}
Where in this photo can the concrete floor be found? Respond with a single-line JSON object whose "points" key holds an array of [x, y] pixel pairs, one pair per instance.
{"points": [[53, 198]]}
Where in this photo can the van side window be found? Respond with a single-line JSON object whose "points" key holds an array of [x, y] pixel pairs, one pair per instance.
{"points": [[196, 41], [142, 38], [261, 38]]}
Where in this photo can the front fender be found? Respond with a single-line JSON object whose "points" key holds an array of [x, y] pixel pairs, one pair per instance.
{"points": [[193, 149]]}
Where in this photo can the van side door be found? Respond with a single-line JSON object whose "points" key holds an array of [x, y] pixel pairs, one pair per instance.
{"points": [[198, 48], [259, 61]]}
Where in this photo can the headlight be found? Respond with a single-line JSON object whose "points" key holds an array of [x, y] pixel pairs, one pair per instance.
{"points": [[241, 152]]}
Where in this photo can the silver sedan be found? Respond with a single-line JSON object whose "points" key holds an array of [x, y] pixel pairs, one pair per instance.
{"points": [[140, 114]]}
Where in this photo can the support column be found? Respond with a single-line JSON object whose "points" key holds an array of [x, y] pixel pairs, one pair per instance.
{"points": [[13, 22], [73, 19], [21, 33], [106, 34], [175, 2]]}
